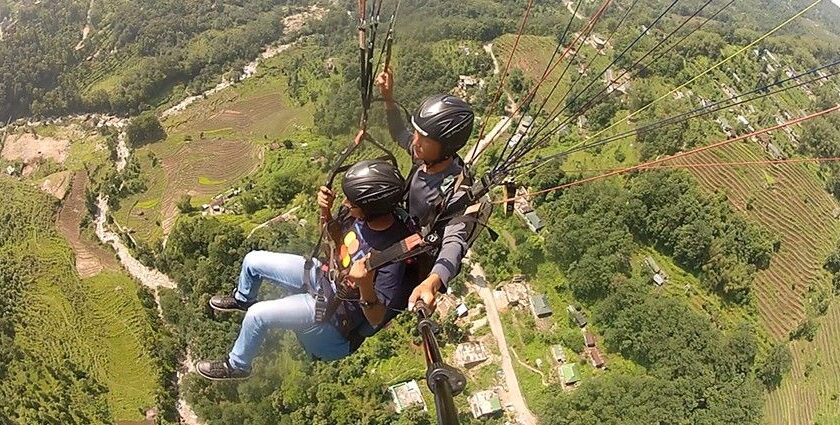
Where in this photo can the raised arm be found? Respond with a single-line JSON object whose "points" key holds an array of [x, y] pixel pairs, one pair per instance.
{"points": [[398, 128]]}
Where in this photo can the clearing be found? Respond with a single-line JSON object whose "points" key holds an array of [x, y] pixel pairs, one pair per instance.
{"points": [[28, 147]]}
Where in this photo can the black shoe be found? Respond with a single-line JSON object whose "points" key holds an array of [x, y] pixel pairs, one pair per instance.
{"points": [[220, 370], [229, 303]]}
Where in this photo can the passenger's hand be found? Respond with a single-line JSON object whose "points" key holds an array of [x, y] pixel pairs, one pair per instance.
{"points": [[385, 81], [427, 291], [326, 197], [358, 271]]}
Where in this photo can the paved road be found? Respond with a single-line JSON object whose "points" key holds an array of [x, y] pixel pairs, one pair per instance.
{"points": [[500, 127], [516, 399]]}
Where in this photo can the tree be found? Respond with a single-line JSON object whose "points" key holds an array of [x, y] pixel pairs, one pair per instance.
{"points": [[250, 203], [143, 129], [775, 366], [185, 204]]}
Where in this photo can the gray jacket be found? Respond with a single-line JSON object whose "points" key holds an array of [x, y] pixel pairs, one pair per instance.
{"points": [[424, 192]]}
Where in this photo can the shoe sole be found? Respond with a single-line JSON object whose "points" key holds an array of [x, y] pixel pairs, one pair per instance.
{"points": [[220, 379], [226, 310]]}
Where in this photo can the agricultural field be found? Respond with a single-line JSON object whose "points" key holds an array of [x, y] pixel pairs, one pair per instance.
{"points": [[97, 324], [210, 146], [789, 200]]}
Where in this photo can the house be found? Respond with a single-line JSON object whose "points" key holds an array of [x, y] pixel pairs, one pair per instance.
{"points": [[11, 170], [469, 354], [596, 358], [539, 306], [774, 151], [514, 140], [485, 403], [467, 81], [743, 120], [558, 353], [461, 310], [445, 304], [576, 315], [598, 42], [582, 121], [517, 293], [569, 373], [525, 125], [725, 127], [658, 279], [619, 84], [532, 220], [588, 339], [407, 394]]}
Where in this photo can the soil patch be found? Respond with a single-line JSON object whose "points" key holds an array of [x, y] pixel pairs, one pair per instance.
{"points": [[30, 148], [91, 258], [57, 184]]}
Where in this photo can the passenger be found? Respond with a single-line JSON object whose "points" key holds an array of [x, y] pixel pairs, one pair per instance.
{"points": [[367, 221]]}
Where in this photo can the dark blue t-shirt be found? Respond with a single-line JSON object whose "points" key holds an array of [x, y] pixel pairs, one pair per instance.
{"points": [[389, 282]]}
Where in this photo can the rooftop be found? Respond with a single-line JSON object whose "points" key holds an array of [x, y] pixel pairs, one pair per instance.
{"points": [[570, 373], [539, 305], [484, 403], [407, 394], [470, 353]]}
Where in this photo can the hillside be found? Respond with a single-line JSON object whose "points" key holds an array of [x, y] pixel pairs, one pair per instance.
{"points": [[94, 364]]}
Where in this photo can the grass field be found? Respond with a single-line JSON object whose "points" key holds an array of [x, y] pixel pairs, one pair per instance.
{"points": [[97, 324]]}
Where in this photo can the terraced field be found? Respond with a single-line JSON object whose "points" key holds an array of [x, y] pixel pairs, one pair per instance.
{"points": [[97, 323], [810, 394], [788, 199], [211, 145]]}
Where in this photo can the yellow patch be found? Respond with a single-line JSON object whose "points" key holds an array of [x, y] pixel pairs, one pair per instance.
{"points": [[349, 238]]}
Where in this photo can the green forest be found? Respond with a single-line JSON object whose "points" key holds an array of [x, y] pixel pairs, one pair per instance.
{"points": [[697, 351]]}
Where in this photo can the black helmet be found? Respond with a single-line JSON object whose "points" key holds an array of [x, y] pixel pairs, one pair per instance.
{"points": [[447, 119], [376, 186]]}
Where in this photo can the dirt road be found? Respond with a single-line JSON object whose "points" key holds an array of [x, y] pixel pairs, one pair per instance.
{"points": [[524, 414]]}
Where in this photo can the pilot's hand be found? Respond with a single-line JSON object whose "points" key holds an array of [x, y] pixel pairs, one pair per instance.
{"points": [[326, 197], [427, 291], [385, 81]]}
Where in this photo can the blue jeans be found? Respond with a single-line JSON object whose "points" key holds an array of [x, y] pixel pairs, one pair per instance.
{"points": [[295, 312]]}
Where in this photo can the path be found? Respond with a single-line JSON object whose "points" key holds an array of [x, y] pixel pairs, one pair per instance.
{"points": [[529, 367], [86, 29], [524, 414], [286, 216], [502, 126], [569, 4], [511, 106]]}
